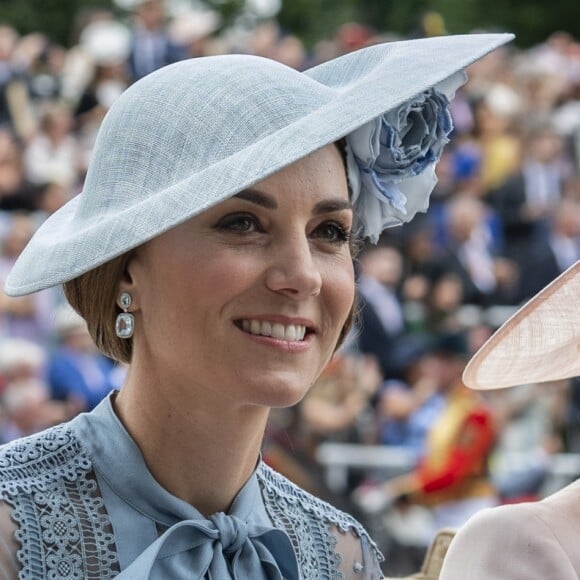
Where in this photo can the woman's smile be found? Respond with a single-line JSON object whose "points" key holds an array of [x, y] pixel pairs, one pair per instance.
{"points": [[287, 328], [286, 334], [290, 332]]}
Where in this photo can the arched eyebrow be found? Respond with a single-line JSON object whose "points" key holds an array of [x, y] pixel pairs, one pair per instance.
{"points": [[257, 197], [332, 205], [266, 201]]}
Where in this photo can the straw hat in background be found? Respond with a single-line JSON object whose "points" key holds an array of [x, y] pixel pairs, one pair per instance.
{"points": [[539, 343]]}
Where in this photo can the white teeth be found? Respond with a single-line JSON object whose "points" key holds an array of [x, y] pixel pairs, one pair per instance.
{"points": [[291, 333], [278, 330]]}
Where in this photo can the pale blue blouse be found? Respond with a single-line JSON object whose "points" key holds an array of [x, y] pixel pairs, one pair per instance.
{"points": [[77, 501]]}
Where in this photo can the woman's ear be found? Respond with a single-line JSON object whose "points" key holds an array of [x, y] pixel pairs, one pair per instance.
{"points": [[128, 281]]}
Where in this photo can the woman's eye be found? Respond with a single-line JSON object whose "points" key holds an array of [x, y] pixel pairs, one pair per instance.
{"points": [[332, 232], [241, 223]]}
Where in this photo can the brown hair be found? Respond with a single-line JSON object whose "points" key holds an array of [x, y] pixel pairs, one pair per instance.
{"points": [[355, 248], [94, 296], [348, 324]]}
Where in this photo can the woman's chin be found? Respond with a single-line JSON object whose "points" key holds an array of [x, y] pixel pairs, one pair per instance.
{"points": [[277, 392]]}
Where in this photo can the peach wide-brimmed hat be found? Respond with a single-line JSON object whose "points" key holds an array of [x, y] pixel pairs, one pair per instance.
{"points": [[539, 343]]}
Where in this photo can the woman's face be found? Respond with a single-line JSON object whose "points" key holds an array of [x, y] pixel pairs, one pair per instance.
{"points": [[247, 300]]}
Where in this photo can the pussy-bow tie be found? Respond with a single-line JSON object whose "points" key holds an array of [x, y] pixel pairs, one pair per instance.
{"points": [[221, 547]]}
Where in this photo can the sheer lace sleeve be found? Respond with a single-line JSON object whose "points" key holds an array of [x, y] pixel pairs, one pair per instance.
{"points": [[8, 545], [328, 542], [357, 560]]}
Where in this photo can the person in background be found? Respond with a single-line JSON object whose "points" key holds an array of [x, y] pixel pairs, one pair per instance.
{"points": [[193, 29], [96, 75], [452, 475], [52, 154], [527, 197], [382, 319], [26, 317], [485, 277], [76, 371], [28, 409], [151, 45], [409, 406], [25, 397], [16, 192], [550, 255], [338, 404], [494, 129], [534, 540], [531, 425], [15, 104]]}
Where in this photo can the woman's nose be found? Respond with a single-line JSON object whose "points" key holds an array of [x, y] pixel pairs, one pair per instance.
{"points": [[293, 271]]}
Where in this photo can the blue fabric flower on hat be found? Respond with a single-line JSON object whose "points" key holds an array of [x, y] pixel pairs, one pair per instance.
{"points": [[391, 160]]}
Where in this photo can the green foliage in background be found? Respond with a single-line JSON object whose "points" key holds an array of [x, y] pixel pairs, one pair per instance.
{"points": [[312, 20], [59, 19], [531, 20]]}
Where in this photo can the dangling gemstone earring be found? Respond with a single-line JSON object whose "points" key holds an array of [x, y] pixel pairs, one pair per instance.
{"points": [[125, 322]]}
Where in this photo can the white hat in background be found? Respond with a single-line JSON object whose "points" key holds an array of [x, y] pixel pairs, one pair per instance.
{"points": [[107, 42]]}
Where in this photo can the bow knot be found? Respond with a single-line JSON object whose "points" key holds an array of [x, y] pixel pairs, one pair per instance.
{"points": [[221, 546], [233, 531]]}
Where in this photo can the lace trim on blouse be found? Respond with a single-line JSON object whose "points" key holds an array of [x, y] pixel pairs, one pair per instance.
{"points": [[312, 538], [64, 531]]}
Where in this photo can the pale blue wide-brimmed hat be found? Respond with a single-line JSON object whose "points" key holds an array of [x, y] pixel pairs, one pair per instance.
{"points": [[194, 133]]}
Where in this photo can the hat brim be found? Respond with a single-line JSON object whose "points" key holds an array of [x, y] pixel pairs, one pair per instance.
{"points": [[357, 88], [539, 343]]}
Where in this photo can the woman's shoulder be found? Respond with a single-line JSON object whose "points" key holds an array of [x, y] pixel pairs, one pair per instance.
{"points": [[35, 461]]}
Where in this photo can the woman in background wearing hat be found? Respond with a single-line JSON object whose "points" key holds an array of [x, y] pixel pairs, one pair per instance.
{"points": [[528, 541], [210, 250]]}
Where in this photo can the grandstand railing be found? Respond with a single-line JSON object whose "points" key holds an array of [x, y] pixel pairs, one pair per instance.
{"points": [[338, 459]]}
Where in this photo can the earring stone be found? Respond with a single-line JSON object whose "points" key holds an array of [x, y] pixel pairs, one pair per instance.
{"points": [[125, 300], [125, 321]]}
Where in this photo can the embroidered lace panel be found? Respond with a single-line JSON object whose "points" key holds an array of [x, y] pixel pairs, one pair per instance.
{"points": [[64, 531], [325, 543]]}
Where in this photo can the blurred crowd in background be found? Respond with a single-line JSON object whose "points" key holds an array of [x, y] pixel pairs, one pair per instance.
{"points": [[504, 221]]}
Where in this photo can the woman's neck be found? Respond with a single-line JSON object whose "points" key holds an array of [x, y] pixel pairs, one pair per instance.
{"points": [[199, 448]]}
